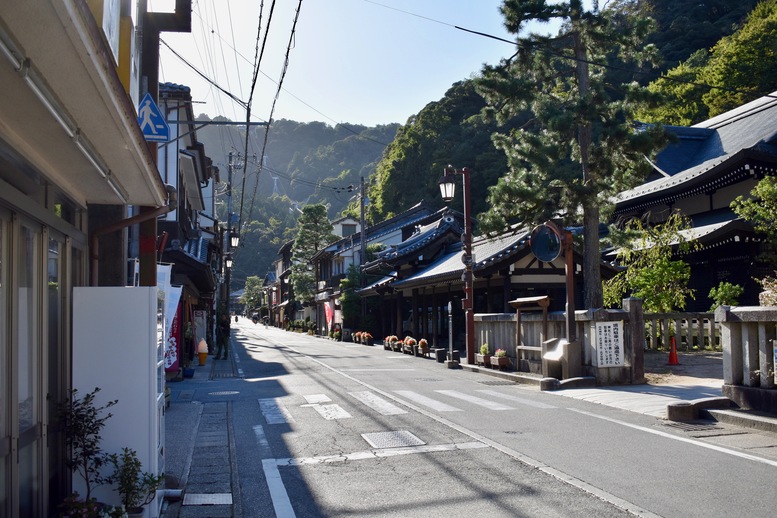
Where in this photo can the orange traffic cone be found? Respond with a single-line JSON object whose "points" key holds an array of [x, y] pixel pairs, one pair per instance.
{"points": [[672, 353]]}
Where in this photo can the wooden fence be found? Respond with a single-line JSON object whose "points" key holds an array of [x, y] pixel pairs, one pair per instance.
{"points": [[690, 330]]}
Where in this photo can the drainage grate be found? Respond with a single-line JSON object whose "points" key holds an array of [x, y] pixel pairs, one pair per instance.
{"points": [[224, 393], [692, 427], [497, 382], [396, 439], [207, 499]]}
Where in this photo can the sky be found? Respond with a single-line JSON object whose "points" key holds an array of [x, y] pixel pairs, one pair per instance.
{"points": [[366, 62]]}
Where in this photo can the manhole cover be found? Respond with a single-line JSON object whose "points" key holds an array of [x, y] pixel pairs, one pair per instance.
{"points": [[496, 382], [397, 439], [692, 427], [224, 393]]}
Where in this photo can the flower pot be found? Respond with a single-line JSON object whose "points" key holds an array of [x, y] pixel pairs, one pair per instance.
{"points": [[203, 357]]}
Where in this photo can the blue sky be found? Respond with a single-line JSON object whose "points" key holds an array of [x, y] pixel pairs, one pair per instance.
{"points": [[352, 61]]}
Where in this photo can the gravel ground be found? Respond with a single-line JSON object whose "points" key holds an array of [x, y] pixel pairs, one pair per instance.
{"points": [[692, 367]]}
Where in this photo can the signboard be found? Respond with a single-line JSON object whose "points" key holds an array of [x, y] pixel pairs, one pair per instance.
{"points": [[152, 121], [609, 344]]}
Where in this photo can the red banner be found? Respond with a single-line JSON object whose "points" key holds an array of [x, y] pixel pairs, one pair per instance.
{"points": [[173, 345]]}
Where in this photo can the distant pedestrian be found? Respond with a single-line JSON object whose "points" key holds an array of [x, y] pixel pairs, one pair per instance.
{"points": [[223, 339]]}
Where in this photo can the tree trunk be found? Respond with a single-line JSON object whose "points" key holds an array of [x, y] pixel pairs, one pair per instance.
{"points": [[592, 275]]}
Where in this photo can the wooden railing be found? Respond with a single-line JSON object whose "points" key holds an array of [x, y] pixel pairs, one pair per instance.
{"points": [[690, 331]]}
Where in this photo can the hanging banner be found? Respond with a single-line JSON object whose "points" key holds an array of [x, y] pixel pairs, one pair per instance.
{"points": [[173, 343], [329, 312]]}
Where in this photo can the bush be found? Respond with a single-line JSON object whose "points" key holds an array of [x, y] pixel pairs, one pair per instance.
{"points": [[484, 349], [725, 294], [500, 353]]}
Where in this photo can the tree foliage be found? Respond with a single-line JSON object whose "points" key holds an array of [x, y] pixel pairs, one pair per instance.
{"points": [[651, 272], [314, 232], [580, 146], [448, 131], [252, 297], [761, 210], [740, 67]]}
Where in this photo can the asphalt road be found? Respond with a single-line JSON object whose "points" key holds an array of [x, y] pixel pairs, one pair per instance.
{"points": [[324, 428]]}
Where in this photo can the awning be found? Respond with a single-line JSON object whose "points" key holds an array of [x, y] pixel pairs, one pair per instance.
{"points": [[64, 112]]}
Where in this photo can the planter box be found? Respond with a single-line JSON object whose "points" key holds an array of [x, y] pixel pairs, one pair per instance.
{"points": [[483, 359], [501, 362]]}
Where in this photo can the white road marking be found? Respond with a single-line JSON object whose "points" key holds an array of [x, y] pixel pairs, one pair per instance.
{"points": [[666, 435], [274, 411], [330, 412], [382, 452], [314, 399], [278, 494], [487, 403], [527, 402], [378, 404], [427, 401], [262, 442]]}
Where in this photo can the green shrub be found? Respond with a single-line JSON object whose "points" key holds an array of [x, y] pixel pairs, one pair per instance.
{"points": [[725, 294]]}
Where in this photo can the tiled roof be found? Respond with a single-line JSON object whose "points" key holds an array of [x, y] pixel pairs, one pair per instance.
{"points": [[487, 251], [703, 149]]}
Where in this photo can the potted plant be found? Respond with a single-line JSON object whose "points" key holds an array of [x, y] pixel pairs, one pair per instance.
{"points": [[409, 345], [484, 358], [81, 422], [367, 338], [500, 359], [423, 347], [136, 488], [357, 337]]}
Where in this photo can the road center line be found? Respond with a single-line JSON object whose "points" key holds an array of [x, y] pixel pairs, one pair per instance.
{"points": [[666, 435]]}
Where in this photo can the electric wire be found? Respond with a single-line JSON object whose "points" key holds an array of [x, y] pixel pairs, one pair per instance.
{"points": [[272, 108]]}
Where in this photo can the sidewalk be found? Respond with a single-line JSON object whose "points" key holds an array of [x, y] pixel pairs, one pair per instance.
{"points": [[204, 472]]}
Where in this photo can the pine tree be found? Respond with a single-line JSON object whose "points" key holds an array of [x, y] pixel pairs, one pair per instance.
{"points": [[580, 146], [313, 234]]}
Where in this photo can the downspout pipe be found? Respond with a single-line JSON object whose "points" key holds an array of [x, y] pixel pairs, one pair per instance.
{"points": [[94, 243]]}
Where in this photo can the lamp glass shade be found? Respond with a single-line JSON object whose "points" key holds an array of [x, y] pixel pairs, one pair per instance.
{"points": [[228, 262], [447, 187], [234, 239]]}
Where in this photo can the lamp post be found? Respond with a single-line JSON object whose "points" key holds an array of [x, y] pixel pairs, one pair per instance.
{"points": [[448, 189]]}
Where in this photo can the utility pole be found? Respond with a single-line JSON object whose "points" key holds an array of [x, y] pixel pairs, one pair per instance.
{"points": [[363, 254]]}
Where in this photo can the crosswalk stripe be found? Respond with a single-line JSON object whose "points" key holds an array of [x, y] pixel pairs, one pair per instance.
{"points": [[427, 401], [330, 412], [274, 411], [314, 399], [523, 401], [378, 404], [491, 405]]}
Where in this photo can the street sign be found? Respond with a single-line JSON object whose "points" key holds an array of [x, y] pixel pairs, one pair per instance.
{"points": [[152, 121]]}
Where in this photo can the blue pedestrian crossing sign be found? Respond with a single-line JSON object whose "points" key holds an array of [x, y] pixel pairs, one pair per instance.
{"points": [[151, 120]]}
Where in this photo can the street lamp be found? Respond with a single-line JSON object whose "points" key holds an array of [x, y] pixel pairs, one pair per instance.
{"points": [[234, 239], [228, 260], [447, 190]]}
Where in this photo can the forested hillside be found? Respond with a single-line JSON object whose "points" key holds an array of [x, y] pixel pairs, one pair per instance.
{"points": [[303, 163], [317, 163]]}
